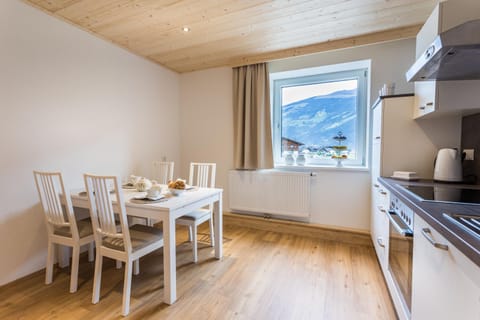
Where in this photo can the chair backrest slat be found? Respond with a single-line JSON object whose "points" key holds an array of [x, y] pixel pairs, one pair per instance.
{"points": [[51, 191], [105, 212], [50, 198], [162, 171], [202, 175], [102, 210]]}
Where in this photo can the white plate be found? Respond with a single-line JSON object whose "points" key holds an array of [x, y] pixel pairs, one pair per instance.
{"points": [[155, 198], [144, 197]]}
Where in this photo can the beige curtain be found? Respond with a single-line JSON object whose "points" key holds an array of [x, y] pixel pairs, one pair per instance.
{"points": [[251, 108]]}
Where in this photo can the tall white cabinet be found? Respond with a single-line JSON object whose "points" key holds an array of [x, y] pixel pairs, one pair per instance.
{"points": [[380, 196], [398, 144]]}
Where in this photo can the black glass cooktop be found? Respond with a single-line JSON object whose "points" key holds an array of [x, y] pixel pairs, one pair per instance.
{"points": [[445, 194]]}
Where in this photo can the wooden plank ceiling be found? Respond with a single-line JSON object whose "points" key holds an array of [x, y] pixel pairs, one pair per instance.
{"points": [[237, 32]]}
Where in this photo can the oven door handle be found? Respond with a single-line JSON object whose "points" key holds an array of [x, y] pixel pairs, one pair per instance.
{"points": [[400, 226]]}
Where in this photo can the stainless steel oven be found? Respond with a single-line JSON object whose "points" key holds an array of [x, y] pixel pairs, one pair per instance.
{"points": [[400, 250]]}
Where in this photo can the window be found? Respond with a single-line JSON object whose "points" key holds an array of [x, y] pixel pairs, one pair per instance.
{"points": [[321, 113]]}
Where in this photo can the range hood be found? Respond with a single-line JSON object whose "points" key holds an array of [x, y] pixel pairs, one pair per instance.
{"points": [[454, 55]]}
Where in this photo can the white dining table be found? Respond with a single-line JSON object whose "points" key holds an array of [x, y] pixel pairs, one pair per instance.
{"points": [[167, 211]]}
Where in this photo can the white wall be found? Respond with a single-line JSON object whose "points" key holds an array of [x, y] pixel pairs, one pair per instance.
{"points": [[207, 121], [340, 198], [70, 102]]}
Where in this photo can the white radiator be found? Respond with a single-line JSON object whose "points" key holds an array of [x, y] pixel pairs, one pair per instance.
{"points": [[271, 192]]}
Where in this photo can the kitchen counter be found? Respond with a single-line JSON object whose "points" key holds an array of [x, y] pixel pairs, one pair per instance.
{"points": [[432, 213]]}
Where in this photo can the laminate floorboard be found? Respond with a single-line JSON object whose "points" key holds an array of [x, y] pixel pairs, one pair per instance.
{"points": [[263, 275]]}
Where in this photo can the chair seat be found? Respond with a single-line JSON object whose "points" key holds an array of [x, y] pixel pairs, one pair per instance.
{"points": [[140, 235], [84, 229], [195, 215]]}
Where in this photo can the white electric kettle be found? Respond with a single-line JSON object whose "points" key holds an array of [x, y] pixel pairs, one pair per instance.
{"points": [[448, 166]]}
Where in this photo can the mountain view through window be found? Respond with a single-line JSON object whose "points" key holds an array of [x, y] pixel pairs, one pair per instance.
{"points": [[313, 114]]}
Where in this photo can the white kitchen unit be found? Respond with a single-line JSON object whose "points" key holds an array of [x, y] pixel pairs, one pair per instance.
{"points": [[434, 98], [398, 142], [440, 97], [446, 284], [380, 196]]}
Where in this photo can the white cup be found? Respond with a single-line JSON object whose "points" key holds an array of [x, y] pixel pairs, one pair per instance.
{"points": [[153, 193]]}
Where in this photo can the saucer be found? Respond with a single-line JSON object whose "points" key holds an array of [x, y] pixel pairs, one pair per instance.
{"points": [[147, 198]]}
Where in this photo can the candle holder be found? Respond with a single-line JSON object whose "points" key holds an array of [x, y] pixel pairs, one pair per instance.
{"points": [[339, 149]]}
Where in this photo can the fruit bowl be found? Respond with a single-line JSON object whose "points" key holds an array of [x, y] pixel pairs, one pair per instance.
{"points": [[176, 192], [176, 187]]}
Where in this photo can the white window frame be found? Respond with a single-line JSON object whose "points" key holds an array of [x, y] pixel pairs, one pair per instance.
{"points": [[359, 70]]}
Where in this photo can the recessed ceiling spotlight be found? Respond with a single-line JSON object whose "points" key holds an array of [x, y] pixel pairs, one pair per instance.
{"points": [[186, 29]]}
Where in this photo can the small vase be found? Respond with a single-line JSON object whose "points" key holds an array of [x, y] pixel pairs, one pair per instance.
{"points": [[301, 159], [339, 162], [289, 160]]}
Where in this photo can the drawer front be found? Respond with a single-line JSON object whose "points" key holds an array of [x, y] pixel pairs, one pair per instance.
{"points": [[380, 226]]}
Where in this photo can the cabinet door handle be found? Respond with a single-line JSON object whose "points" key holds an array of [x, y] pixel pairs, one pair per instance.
{"points": [[378, 138], [429, 104], [381, 209], [428, 234], [380, 242], [421, 107], [376, 185], [383, 193]]}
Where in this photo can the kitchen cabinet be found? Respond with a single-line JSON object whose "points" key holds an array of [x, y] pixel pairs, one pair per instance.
{"points": [[446, 15], [399, 143], [380, 196], [440, 97], [446, 284], [445, 97]]}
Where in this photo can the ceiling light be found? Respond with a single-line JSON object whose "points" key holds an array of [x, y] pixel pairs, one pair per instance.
{"points": [[186, 29]]}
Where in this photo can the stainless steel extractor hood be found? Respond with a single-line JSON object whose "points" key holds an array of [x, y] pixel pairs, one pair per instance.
{"points": [[454, 55]]}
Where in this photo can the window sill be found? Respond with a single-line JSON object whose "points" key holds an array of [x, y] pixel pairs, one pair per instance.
{"points": [[309, 168]]}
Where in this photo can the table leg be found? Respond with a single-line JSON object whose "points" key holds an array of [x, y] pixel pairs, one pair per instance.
{"points": [[169, 260], [218, 221]]}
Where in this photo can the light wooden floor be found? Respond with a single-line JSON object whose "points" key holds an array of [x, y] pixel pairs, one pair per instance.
{"points": [[263, 275]]}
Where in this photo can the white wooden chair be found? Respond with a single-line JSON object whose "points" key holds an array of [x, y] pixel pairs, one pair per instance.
{"points": [[62, 227], [162, 171], [128, 244], [201, 175]]}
